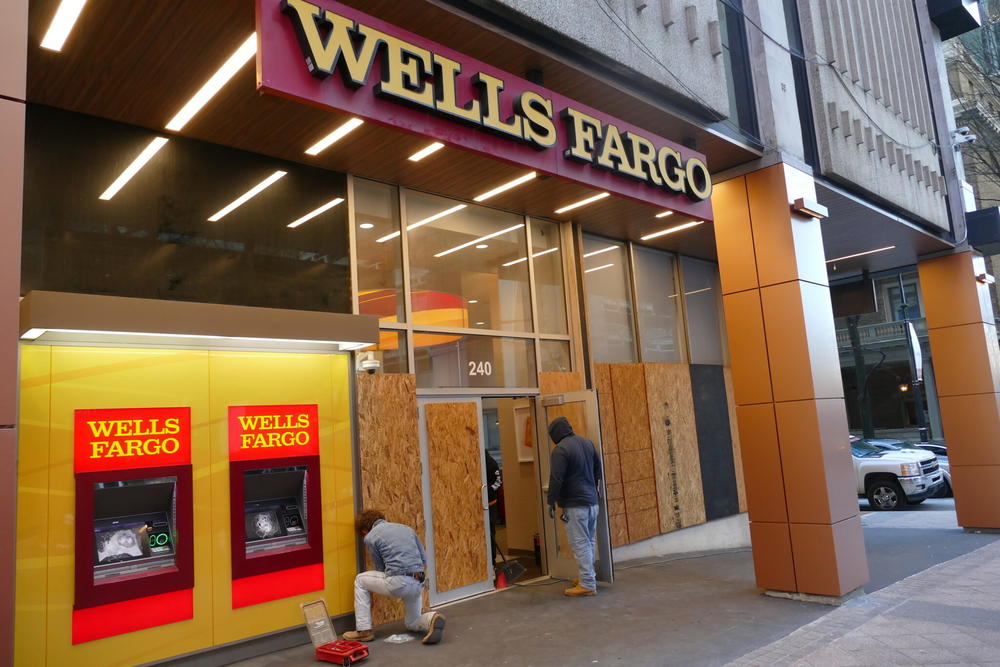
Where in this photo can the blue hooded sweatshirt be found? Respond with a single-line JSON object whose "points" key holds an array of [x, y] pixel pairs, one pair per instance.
{"points": [[575, 470]]}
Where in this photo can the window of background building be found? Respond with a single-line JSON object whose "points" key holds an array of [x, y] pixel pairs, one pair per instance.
{"points": [[377, 239], [656, 305], [547, 259], [702, 306], [463, 271], [739, 81], [609, 300]]}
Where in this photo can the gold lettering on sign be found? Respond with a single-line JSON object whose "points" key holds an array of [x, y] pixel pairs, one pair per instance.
{"points": [[584, 133], [539, 128], [445, 93]]}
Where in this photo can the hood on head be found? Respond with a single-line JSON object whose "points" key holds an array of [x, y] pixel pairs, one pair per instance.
{"points": [[559, 429]]}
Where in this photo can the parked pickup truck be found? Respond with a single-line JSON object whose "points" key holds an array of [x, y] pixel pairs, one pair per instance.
{"points": [[893, 478]]}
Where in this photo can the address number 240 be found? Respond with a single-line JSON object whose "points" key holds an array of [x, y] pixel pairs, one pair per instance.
{"points": [[480, 368]]}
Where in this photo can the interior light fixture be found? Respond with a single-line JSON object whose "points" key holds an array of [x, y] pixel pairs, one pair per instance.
{"points": [[479, 240], [506, 186], [138, 163], [598, 268], [582, 202], [221, 77], [671, 230], [334, 136], [312, 214], [480, 324], [421, 223], [248, 195], [34, 334], [366, 225], [602, 250], [525, 259], [664, 214], [482, 246], [860, 254], [62, 24], [425, 151], [698, 291], [473, 300]]}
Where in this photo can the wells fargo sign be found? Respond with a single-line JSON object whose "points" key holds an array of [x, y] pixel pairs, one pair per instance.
{"points": [[120, 438], [272, 431], [327, 54]]}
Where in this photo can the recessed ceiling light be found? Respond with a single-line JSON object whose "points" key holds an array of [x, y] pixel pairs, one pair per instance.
{"points": [[138, 163], [473, 300], [480, 240], [425, 151], [598, 268], [62, 23], [480, 324], [248, 195], [482, 246], [860, 254], [228, 70], [312, 214], [582, 202], [421, 223], [334, 136], [602, 250], [366, 225], [537, 254], [664, 214], [671, 230], [506, 186]]}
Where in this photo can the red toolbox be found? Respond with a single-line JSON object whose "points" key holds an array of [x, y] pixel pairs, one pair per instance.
{"points": [[342, 652]]}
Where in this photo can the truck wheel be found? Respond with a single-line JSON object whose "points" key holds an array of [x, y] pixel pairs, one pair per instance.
{"points": [[886, 495]]}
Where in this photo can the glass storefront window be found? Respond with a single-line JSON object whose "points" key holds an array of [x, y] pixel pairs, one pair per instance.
{"points": [[547, 259], [376, 233], [555, 355], [701, 302], [656, 305], [461, 360], [391, 351], [463, 268], [609, 302]]}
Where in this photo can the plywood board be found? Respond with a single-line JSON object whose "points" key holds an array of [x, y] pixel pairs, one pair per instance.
{"points": [[628, 388], [456, 479], [560, 382], [612, 469], [619, 529], [735, 434], [675, 446], [643, 524], [605, 407], [575, 413]]}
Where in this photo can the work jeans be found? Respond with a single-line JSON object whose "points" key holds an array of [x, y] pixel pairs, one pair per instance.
{"points": [[404, 587], [582, 532]]}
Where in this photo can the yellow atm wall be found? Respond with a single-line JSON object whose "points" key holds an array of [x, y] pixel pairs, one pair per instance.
{"points": [[57, 380]]}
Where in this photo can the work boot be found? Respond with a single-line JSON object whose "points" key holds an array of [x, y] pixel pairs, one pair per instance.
{"points": [[579, 591], [434, 633], [359, 635]]}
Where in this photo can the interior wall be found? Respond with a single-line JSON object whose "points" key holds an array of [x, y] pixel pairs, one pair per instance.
{"points": [[520, 479]]}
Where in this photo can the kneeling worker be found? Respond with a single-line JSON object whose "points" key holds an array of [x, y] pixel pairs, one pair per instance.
{"points": [[399, 562]]}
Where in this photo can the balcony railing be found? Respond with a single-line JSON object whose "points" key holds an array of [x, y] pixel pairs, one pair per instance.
{"points": [[882, 333]]}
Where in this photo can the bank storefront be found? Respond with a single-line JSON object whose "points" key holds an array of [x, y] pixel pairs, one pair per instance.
{"points": [[257, 298]]}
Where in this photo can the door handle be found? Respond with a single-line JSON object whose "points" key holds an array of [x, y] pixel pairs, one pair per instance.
{"points": [[484, 498]]}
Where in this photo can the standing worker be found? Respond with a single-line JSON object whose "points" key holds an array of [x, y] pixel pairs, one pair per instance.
{"points": [[494, 481], [399, 561], [574, 474]]}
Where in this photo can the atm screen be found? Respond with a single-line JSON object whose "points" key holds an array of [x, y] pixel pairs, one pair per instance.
{"points": [[274, 509], [133, 527]]}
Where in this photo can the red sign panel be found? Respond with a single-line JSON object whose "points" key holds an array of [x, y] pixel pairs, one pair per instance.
{"points": [[273, 431], [332, 56], [123, 438]]}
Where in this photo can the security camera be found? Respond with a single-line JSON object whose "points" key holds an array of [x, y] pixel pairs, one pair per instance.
{"points": [[370, 366], [962, 135]]}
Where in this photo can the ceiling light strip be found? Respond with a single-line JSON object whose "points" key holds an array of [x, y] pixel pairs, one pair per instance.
{"points": [[583, 202], [334, 136], [479, 240], [506, 186], [420, 223], [602, 250], [598, 268], [860, 254], [537, 254], [664, 214], [670, 230], [34, 334], [312, 214], [248, 195], [62, 24], [228, 70], [425, 151], [151, 149]]}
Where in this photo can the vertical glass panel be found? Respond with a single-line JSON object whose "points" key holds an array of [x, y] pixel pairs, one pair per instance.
{"points": [[455, 360], [656, 305], [463, 271], [376, 233], [701, 301], [546, 256], [390, 350], [609, 301], [555, 355]]}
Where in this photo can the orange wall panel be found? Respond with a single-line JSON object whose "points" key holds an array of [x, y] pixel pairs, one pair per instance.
{"points": [[977, 495], [974, 438], [762, 463], [747, 347], [772, 556], [965, 359], [950, 292], [733, 235], [829, 559]]}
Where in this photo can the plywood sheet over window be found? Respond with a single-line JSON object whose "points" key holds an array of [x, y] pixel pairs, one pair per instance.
{"points": [[612, 461], [456, 479]]}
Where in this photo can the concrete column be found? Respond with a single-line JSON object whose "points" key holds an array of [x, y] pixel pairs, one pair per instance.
{"points": [[13, 75], [800, 484], [963, 339]]}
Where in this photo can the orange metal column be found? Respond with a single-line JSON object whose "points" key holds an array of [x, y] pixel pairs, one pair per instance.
{"points": [[13, 73], [800, 484], [966, 356]]}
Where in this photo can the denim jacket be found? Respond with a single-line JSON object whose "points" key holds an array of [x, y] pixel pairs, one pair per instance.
{"points": [[395, 549]]}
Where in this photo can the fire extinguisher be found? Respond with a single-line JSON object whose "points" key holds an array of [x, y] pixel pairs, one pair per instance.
{"points": [[537, 544]]}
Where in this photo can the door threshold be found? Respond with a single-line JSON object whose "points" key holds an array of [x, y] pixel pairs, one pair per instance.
{"points": [[530, 582]]}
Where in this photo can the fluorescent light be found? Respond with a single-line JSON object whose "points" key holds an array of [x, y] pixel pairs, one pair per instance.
{"points": [[334, 136], [506, 186], [62, 23], [33, 334], [664, 214], [670, 230], [425, 151], [421, 223], [473, 300], [598, 268], [524, 259], [138, 163], [366, 225], [598, 252], [582, 202], [482, 246], [248, 195], [228, 70], [312, 214], [860, 254], [698, 291], [479, 240]]}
